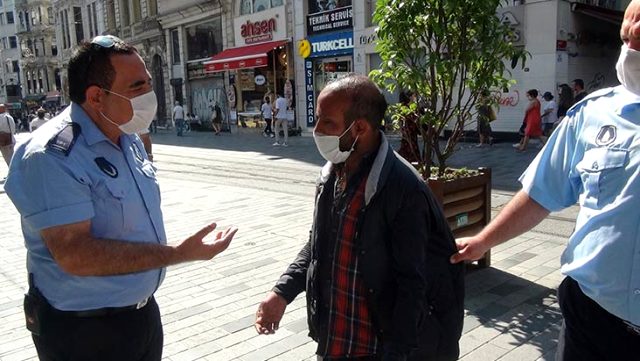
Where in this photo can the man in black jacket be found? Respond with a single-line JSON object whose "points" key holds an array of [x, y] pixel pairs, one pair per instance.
{"points": [[376, 268]]}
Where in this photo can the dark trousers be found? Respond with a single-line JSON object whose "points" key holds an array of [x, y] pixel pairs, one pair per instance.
{"points": [[267, 128], [591, 333], [132, 335]]}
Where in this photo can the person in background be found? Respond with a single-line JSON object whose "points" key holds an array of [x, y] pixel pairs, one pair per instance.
{"points": [[485, 116], [578, 89], [282, 123], [39, 120], [216, 118], [7, 131], [178, 117], [267, 115], [549, 114], [565, 100], [533, 121]]}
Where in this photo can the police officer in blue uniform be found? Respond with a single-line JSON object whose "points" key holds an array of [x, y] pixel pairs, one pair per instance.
{"points": [[90, 208], [593, 158]]}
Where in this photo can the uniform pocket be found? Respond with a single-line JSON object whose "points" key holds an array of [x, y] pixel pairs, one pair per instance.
{"points": [[600, 171], [109, 217]]}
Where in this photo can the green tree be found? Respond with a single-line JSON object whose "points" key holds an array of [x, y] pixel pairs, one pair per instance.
{"points": [[447, 52]]}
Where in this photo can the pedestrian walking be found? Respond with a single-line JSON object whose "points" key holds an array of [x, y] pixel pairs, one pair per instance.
{"points": [[565, 100], [91, 219], [376, 269], [532, 121], [282, 123], [39, 120], [178, 117], [267, 115], [549, 114], [216, 118], [7, 131], [592, 159], [485, 116], [578, 89]]}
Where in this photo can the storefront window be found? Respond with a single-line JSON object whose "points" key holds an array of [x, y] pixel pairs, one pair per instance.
{"points": [[204, 40]]}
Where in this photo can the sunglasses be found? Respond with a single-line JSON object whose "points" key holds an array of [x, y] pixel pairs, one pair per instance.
{"points": [[106, 41]]}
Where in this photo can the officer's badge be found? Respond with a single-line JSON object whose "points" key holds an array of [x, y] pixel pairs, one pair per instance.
{"points": [[137, 152], [606, 135], [106, 167]]}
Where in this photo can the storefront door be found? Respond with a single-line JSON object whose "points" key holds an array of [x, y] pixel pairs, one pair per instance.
{"points": [[330, 69]]}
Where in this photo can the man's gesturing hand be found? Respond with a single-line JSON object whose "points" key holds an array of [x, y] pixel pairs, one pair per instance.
{"points": [[195, 248], [270, 313]]}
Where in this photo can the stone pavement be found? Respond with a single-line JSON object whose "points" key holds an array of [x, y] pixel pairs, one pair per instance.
{"points": [[208, 307]]}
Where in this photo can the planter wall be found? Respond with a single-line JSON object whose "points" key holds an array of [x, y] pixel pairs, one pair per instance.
{"points": [[467, 205]]}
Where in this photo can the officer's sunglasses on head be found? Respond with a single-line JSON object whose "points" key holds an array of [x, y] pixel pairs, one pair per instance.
{"points": [[106, 41]]}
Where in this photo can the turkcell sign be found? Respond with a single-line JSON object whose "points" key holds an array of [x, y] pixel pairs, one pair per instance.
{"points": [[308, 91], [331, 44]]}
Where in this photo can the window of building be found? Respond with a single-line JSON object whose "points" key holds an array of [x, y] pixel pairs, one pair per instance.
{"points": [[13, 42], [54, 49], [15, 65], [111, 15], [10, 19], [4, 43], [77, 20], [90, 18], [63, 30], [94, 14], [370, 9], [124, 13], [204, 40], [1, 18], [254, 6], [65, 24], [137, 11], [50, 16], [152, 7], [175, 46]]}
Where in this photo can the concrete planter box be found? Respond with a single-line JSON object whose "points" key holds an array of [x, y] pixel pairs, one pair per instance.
{"points": [[467, 204]]}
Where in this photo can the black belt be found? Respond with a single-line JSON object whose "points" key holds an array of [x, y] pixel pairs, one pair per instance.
{"points": [[102, 312]]}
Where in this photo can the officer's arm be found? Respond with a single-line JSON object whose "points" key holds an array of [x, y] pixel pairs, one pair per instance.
{"points": [[80, 254]]}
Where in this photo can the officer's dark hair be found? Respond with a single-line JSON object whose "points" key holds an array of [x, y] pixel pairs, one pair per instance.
{"points": [[90, 64], [365, 99], [579, 82]]}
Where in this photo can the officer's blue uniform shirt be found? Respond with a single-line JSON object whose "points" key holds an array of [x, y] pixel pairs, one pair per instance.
{"points": [[57, 178], [593, 159]]}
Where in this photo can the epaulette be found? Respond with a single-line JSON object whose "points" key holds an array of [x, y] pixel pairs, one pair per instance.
{"points": [[63, 142], [596, 94]]}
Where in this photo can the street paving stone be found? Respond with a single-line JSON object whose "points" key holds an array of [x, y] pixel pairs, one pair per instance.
{"points": [[208, 307]]}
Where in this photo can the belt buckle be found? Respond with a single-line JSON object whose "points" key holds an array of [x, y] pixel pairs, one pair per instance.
{"points": [[142, 303]]}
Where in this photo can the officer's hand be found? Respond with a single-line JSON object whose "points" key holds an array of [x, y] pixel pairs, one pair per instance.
{"points": [[195, 247], [469, 249], [270, 313]]}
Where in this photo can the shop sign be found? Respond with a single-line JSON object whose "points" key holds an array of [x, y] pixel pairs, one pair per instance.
{"points": [[259, 31], [327, 45], [260, 79], [332, 20], [308, 93], [512, 17]]}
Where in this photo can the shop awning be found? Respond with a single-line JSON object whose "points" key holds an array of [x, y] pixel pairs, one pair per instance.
{"points": [[252, 56], [598, 12], [52, 95]]}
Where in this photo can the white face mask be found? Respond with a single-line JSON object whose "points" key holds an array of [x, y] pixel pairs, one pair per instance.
{"points": [[628, 69], [329, 146], [144, 109]]}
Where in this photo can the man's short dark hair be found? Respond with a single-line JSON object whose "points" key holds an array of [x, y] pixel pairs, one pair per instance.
{"points": [[365, 99], [579, 82], [90, 64]]}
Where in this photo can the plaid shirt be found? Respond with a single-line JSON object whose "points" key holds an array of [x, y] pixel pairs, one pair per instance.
{"points": [[351, 332]]}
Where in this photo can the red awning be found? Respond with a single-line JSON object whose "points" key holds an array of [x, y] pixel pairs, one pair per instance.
{"points": [[252, 56]]}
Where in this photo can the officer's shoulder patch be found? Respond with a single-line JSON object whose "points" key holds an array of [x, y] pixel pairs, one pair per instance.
{"points": [[65, 139]]}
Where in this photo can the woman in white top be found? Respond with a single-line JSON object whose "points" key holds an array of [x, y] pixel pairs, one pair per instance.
{"points": [[549, 114]]}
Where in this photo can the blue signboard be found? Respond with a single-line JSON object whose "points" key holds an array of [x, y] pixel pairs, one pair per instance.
{"points": [[331, 44], [308, 93]]}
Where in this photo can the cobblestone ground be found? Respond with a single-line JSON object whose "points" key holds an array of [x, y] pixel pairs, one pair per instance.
{"points": [[208, 307]]}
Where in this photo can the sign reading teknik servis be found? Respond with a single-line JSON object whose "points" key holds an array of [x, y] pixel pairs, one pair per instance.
{"points": [[325, 16]]}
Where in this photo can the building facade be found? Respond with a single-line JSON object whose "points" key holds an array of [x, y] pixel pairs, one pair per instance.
{"points": [[10, 80], [39, 68]]}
